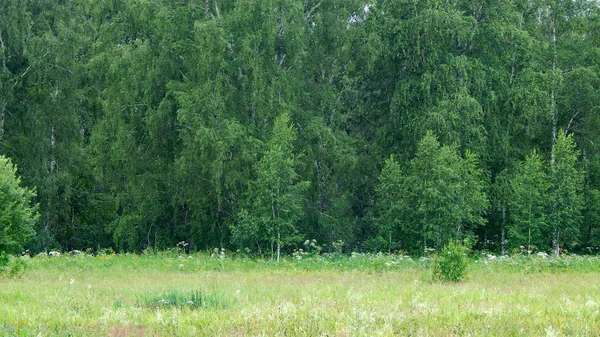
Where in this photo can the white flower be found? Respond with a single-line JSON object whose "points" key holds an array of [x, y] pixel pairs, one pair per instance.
{"points": [[72, 281]]}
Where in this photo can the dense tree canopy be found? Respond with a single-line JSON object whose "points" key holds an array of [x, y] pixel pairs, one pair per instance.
{"points": [[388, 125]]}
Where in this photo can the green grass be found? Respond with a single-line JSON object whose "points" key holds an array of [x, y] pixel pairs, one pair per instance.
{"points": [[362, 295]]}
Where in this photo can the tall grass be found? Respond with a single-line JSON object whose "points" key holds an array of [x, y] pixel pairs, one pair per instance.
{"points": [[195, 299]]}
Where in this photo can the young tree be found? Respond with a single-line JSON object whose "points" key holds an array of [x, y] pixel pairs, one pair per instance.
{"points": [[17, 214], [567, 184], [389, 191], [442, 194], [529, 204], [276, 195], [500, 202]]}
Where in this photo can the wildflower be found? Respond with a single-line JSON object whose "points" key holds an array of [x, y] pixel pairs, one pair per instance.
{"points": [[181, 266], [72, 281]]}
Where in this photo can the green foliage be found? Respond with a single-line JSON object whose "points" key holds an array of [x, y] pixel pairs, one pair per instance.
{"points": [[146, 123], [567, 199], [441, 196], [529, 205], [17, 214], [389, 191], [276, 194], [12, 266], [452, 262]]}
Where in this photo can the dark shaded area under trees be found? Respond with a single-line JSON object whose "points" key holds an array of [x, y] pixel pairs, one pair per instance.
{"points": [[392, 125]]}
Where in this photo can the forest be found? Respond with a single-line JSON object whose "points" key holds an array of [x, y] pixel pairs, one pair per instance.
{"points": [[261, 125]]}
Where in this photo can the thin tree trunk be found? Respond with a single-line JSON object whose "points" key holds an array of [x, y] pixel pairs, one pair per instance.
{"points": [[529, 242], [552, 94], [46, 225], [2, 45], [258, 247], [439, 235], [278, 244], [556, 241], [148, 237], [503, 234], [2, 119]]}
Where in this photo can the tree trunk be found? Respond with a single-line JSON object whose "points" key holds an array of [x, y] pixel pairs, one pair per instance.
{"points": [[503, 234], [552, 94], [2, 45], [278, 244], [556, 242], [529, 242], [46, 225], [2, 118]]}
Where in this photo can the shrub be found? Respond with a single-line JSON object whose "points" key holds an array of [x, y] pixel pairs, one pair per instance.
{"points": [[451, 265], [17, 214], [11, 266]]}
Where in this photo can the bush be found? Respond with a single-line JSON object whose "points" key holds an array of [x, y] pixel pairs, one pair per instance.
{"points": [[17, 215], [451, 265], [11, 266]]}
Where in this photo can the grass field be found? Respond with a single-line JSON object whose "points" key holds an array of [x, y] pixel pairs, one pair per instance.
{"points": [[364, 295]]}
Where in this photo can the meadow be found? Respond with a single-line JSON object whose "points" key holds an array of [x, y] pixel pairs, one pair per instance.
{"points": [[218, 294]]}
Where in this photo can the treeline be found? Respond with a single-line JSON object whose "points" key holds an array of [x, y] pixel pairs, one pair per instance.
{"points": [[383, 125]]}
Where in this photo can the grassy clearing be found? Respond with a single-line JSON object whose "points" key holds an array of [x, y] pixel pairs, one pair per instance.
{"points": [[365, 295]]}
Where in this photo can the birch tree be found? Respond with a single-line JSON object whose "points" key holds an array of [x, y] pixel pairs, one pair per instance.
{"points": [[276, 196], [566, 193]]}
